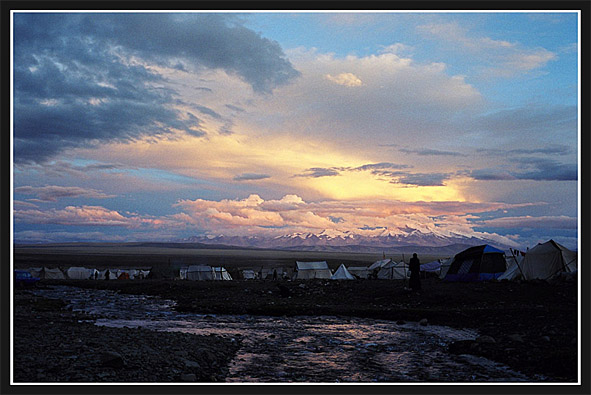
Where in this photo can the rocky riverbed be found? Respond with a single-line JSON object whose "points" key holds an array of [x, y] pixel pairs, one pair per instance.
{"points": [[54, 344], [530, 327]]}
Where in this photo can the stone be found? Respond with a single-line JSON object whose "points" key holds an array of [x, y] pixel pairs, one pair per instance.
{"points": [[188, 377], [546, 338], [191, 364], [516, 338], [112, 359], [486, 339], [423, 322]]}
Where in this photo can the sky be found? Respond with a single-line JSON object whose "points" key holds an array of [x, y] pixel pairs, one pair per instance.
{"points": [[162, 126]]}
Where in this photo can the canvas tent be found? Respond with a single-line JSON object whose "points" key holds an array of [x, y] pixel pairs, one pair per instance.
{"points": [[359, 271], [379, 264], [52, 273], [342, 274], [267, 274], [513, 271], [113, 274], [220, 273], [200, 272], [311, 270], [431, 267], [548, 259], [445, 267], [80, 273], [394, 271], [183, 272], [249, 274], [479, 263]]}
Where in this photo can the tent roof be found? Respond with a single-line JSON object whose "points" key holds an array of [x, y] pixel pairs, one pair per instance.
{"points": [[342, 274], [379, 264], [312, 265]]}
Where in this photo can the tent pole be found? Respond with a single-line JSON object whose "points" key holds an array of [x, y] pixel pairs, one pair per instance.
{"points": [[514, 257]]}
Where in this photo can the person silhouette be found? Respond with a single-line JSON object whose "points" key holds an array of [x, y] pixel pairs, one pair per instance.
{"points": [[415, 272]]}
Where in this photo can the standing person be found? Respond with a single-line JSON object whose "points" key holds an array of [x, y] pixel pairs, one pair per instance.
{"points": [[415, 273], [107, 273]]}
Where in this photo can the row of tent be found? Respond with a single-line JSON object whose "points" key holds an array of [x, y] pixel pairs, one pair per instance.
{"points": [[83, 273], [203, 272], [479, 263]]}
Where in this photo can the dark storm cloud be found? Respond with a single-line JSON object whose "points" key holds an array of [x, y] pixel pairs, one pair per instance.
{"points": [[419, 179], [380, 166], [554, 150], [52, 193], [75, 84], [251, 176]]}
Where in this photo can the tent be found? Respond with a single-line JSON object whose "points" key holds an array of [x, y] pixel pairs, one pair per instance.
{"points": [[359, 271], [547, 259], [35, 271], [310, 270], [113, 274], [431, 267], [267, 274], [394, 271], [183, 272], [200, 272], [445, 267], [220, 273], [478, 263], [342, 274], [379, 264], [513, 271], [80, 273], [52, 273], [249, 274]]}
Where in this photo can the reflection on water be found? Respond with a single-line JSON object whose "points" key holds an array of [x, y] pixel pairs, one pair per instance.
{"points": [[303, 349]]}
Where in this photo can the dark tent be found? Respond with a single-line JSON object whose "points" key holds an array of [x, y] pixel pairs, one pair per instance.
{"points": [[478, 263]]}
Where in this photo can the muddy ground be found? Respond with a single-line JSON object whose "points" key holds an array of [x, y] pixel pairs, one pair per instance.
{"points": [[531, 327]]}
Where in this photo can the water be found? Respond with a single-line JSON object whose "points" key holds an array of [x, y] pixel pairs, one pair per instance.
{"points": [[304, 348]]}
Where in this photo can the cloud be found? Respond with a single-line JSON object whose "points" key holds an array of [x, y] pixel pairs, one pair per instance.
{"points": [[84, 79], [429, 152], [345, 79], [505, 58], [250, 176], [537, 169], [542, 222], [84, 216], [316, 172], [52, 193], [256, 216]]}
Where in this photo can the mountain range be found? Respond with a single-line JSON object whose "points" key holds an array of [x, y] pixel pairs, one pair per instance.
{"points": [[404, 240]]}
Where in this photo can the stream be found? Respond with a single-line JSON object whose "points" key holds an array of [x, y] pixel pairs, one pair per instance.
{"points": [[303, 348]]}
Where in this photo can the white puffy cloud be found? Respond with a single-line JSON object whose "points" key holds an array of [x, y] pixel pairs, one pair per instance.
{"points": [[345, 79]]}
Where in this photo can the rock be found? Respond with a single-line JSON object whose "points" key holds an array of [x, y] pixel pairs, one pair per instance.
{"points": [[188, 377], [486, 339], [112, 359], [545, 338], [516, 338], [423, 322], [191, 364]]}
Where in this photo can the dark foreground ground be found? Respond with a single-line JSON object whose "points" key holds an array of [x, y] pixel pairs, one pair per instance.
{"points": [[532, 327]]}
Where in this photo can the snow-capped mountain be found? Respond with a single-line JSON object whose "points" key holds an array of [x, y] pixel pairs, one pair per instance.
{"points": [[332, 240]]}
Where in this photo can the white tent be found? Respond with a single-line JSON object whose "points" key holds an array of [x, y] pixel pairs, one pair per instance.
{"points": [[220, 273], [342, 274], [547, 259], [445, 267], [431, 267], [183, 272], [379, 264], [249, 274], [513, 272], [359, 271], [53, 273], [143, 274], [200, 272], [310, 270], [35, 271], [394, 271], [80, 273]]}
